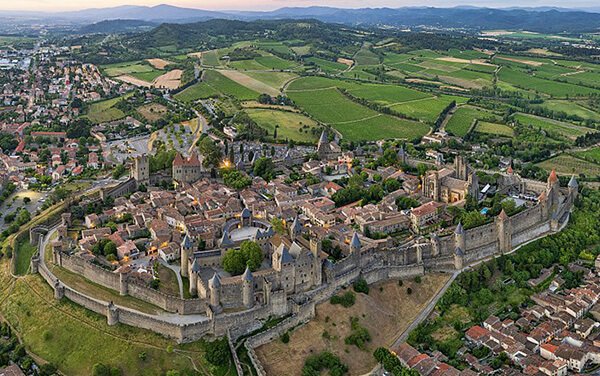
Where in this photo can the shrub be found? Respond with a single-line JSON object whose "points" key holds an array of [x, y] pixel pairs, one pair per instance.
{"points": [[409, 291], [400, 283], [418, 279], [217, 352], [315, 364], [359, 335], [361, 285], [346, 300], [285, 337]]}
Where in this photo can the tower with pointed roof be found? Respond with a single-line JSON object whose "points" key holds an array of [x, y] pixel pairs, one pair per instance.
{"points": [[186, 250], [327, 150], [214, 288], [295, 229], [552, 190], [247, 288], [459, 236], [573, 189], [194, 270], [504, 228]]}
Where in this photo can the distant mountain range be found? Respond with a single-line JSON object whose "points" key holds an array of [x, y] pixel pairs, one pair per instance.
{"points": [[544, 19]]}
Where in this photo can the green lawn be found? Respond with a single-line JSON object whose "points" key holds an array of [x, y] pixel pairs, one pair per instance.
{"points": [[104, 111], [292, 126], [462, 119], [48, 327], [23, 252], [494, 128]]}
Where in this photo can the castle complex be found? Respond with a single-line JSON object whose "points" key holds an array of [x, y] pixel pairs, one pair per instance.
{"points": [[202, 221]]}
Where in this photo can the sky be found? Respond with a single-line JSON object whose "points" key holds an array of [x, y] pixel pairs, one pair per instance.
{"points": [[62, 5]]}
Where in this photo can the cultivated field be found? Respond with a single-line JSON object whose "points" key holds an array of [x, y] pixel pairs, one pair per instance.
{"points": [[200, 90], [134, 81], [493, 128], [170, 80], [567, 165], [567, 130], [250, 82], [158, 63], [462, 119], [386, 313], [226, 86], [291, 126]]}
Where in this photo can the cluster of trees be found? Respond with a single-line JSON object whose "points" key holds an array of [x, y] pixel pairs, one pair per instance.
{"points": [[235, 179], [101, 369], [16, 220], [8, 142], [105, 248], [316, 364], [249, 254], [346, 300], [210, 151], [217, 352], [359, 335], [391, 363], [355, 190], [264, 168]]}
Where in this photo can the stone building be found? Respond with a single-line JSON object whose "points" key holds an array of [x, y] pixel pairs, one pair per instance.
{"points": [[187, 170], [328, 150], [451, 184]]}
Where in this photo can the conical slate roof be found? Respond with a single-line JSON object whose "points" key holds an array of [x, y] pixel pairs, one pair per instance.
{"points": [[215, 281], [187, 242], [296, 226], [355, 242], [459, 229], [459, 252], [573, 182], [247, 276], [226, 239], [323, 139], [195, 266]]}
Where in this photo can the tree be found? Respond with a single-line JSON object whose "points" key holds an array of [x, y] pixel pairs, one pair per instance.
{"points": [[118, 171], [264, 168], [249, 254], [217, 352], [236, 179], [110, 248], [211, 152]]}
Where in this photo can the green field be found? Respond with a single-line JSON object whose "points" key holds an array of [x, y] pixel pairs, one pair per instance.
{"points": [[226, 86], [327, 66], [148, 76], [273, 79], [571, 108], [387, 94], [291, 126], [366, 57], [23, 253], [526, 81], [427, 109], [462, 119], [591, 154], [200, 90], [354, 121], [563, 129], [565, 164], [48, 327], [494, 128], [104, 111], [130, 68]]}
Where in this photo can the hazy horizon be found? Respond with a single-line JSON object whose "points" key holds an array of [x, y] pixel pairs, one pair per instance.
{"points": [[266, 5]]}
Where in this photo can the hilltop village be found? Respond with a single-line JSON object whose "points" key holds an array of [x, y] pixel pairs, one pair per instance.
{"points": [[284, 242]]}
